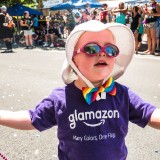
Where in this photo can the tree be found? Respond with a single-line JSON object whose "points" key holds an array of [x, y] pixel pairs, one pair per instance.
{"points": [[29, 3], [40, 4], [8, 3]]}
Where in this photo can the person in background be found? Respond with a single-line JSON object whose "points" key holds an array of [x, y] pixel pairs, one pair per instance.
{"points": [[57, 31], [77, 17], [120, 13], [27, 24], [35, 23], [135, 25], [141, 29], [88, 8], [85, 16], [6, 32], [158, 35], [103, 15], [62, 26], [35, 37], [41, 21], [49, 33], [12, 26], [70, 22], [157, 29], [94, 15], [150, 24]]}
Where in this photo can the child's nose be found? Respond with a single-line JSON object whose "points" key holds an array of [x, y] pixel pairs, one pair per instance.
{"points": [[102, 54]]}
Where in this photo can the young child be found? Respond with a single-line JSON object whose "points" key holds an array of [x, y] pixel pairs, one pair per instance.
{"points": [[92, 122]]}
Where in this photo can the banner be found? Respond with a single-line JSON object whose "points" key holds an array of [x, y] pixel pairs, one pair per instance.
{"points": [[51, 3]]}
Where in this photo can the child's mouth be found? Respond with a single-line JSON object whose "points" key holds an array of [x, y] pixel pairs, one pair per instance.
{"points": [[101, 64]]}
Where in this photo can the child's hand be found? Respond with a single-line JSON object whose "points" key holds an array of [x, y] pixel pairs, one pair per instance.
{"points": [[155, 119], [18, 120]]}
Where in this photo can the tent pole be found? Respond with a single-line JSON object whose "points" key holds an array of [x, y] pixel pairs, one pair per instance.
{"points": [[18, 29]]}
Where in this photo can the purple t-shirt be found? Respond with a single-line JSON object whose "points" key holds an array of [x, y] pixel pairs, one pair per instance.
{"points": [[91, 132]]}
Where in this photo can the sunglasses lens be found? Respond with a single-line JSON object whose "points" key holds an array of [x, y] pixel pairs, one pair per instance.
{"points": [[91, 48], [112, 50]]}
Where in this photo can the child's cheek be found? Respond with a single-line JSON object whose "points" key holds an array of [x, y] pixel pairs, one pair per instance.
{"points": [[111, 61]]}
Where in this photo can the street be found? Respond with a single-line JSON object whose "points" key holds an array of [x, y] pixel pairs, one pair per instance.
{"points": [[27, 76]]}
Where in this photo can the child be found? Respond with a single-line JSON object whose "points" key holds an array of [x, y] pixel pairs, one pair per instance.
{"points": [[92, 125]]}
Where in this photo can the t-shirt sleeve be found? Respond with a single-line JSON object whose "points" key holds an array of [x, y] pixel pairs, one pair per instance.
{"points": [[139, 111], [43, 115]]}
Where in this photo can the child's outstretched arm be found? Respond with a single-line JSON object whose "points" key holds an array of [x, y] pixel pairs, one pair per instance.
{"points": [[18, 120], [155, 119]]}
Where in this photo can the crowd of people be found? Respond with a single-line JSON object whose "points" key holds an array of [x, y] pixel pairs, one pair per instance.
{"points": [[46, 30], [92, 110]]}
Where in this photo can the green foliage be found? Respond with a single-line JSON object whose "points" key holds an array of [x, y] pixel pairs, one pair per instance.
{"points": [[28, 3], [8, 3], [40, 3]]}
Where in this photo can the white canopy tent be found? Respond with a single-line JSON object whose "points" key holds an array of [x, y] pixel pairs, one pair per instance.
{"points": [[111, 4], [51, 3]]}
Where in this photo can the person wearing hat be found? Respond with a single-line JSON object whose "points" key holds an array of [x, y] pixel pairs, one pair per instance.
{"points": [[6, 32], [26, 24], [92, 111]]}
